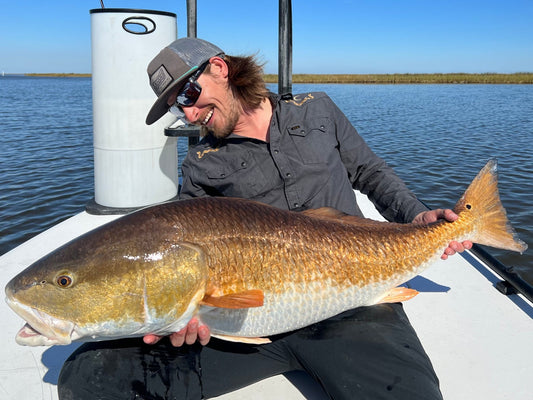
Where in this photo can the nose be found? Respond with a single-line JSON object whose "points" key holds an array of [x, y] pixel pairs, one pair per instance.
{"points": [[191, 113]]}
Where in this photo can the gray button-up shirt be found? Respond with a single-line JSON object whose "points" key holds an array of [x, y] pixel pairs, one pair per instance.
{"points": [[315, 158]]}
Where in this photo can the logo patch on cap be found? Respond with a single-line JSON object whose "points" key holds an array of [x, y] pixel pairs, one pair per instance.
{"points": [[160, 79]]}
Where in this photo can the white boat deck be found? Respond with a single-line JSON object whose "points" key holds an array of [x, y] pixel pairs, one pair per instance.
{"points": [[480, 341]]}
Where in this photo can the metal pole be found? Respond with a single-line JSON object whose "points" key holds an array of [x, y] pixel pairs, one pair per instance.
{"points": [[191, 32], [191, 18], [285, 48]]}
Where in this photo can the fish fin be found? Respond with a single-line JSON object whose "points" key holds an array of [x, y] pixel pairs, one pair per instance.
{"points": [[398, 294], [481, 203], [332, 214], [324, 213], [241, 339], [246, 299]]}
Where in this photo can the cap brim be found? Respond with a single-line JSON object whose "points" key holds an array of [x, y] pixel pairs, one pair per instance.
{"points": [[160, 106]]}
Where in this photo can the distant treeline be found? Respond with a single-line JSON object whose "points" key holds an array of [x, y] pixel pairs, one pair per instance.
{"points": [[59, 75], [516, 78]]}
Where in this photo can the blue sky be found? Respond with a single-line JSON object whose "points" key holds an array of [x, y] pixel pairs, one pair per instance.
{"points": [[334, 36]]}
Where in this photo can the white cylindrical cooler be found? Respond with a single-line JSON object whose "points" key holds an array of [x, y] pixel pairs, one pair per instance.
{"points": [[134, 164]]}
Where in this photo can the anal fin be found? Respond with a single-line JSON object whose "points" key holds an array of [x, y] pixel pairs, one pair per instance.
{"points": [[398, 294], [241, 339]]}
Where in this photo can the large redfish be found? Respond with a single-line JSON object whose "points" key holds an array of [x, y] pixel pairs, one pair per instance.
{"points": [[245, 268]]}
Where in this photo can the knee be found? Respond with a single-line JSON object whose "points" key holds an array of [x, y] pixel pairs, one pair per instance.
{"points": [[74, 378], [88, 373]]}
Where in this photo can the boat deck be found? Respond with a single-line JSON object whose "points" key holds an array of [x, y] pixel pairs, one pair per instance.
{"points": [[480, 341]]}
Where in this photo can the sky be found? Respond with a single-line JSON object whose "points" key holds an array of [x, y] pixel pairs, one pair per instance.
{"points": [[329, 36]]}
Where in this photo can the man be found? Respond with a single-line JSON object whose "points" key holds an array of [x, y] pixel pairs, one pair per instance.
{"points": [[294, 153]]}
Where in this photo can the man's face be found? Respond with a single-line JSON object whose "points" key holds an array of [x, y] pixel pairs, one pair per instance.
{"points": [[216, 107]]}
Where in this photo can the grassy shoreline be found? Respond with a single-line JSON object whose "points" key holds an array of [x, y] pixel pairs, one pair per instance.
{"points": [[58, 75], [455, 78]]}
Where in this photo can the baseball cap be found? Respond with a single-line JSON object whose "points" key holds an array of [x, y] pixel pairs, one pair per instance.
{"points": [[171, 68]]}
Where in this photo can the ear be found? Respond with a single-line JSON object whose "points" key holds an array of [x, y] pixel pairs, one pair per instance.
{"points": [[218, 67]]}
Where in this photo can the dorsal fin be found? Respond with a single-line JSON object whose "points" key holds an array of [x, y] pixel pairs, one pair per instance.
{"points": [[332, 214], [325, 213], [245, 299]]}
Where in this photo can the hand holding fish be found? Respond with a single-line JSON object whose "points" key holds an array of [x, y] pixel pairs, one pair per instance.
{"points": [[430, 216], [194, 331]]}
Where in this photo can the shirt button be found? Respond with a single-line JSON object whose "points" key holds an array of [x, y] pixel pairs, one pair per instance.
{"points": [[276, 151], [288, 174], [296, 205], [222, 175], [243, 164]]}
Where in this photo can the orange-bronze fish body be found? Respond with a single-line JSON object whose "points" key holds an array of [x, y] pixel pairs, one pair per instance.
{"points": [[245, 268]]}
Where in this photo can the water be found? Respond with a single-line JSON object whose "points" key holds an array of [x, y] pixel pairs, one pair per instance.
{"points": [[437, 137], [46, 156]]}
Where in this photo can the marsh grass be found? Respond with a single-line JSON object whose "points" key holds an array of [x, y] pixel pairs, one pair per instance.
{"points": [[59, 75], [458, 78]]}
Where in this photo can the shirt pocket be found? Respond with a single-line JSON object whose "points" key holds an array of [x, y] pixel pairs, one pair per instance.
{"points": [[313, 139], [238, 175]]}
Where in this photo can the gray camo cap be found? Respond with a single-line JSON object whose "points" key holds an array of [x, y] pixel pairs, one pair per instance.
{"points": [[171, 68]]}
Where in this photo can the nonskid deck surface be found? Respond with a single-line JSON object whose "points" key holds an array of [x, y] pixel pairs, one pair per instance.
{"points": [[478, 339]]}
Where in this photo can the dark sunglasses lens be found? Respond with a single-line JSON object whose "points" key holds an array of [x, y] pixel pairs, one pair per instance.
{"points": [[189, 94]]}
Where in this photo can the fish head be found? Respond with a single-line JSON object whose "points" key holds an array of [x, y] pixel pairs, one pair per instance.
{"points": [[97, 289]]}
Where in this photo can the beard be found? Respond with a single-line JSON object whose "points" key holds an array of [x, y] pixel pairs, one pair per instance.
{"points": [[228, 123]]}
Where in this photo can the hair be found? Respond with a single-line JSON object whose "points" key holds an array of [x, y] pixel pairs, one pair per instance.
{"points": [[245, 77]]}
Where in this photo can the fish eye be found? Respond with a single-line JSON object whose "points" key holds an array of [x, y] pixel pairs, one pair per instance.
{"points": [[64, 281]]}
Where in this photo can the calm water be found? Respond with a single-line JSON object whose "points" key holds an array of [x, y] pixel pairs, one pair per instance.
{"points": [[437, 137]]}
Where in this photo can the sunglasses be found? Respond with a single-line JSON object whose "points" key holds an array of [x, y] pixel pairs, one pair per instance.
{"points": [[188, 95]]}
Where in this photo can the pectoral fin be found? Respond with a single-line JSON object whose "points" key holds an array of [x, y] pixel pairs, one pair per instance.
{"points": [[398, 294], [246, 299]]}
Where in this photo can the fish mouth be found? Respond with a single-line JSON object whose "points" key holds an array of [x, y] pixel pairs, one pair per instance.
{"points": [[41, 328]]}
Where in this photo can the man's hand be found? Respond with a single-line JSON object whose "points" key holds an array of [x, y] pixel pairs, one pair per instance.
{"points": [[430, 216], [193, 332]]}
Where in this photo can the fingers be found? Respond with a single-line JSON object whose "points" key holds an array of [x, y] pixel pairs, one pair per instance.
{"points": [[459, 247], [193, 332], [151, 339], [448, 215], [427, 217], [190, 334], [178, 338], [204, 335], [447, 252], [456, 247]]}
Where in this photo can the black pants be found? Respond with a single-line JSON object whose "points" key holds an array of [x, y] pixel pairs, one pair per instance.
{"points": [[366, 353]]}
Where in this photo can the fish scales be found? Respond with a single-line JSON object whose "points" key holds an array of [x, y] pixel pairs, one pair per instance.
{"points": [[352, 253], [245, 268]]}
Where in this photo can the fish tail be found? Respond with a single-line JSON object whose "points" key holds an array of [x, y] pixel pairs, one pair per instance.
{"points": [[481, 203]]}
